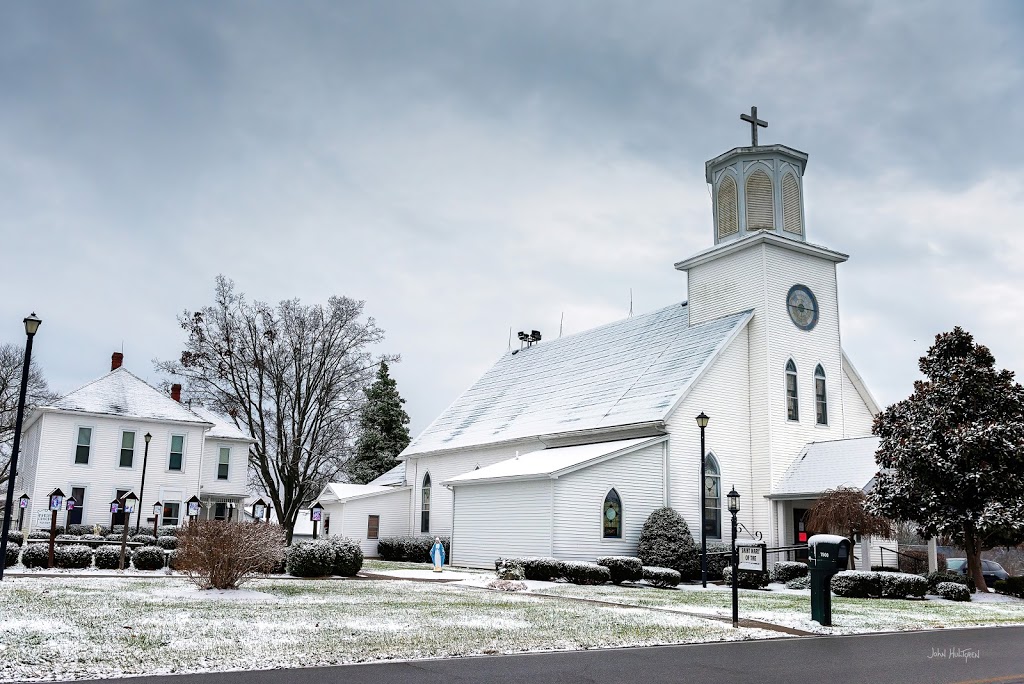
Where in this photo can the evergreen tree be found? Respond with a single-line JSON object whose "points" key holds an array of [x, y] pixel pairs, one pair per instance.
{"points": [[383, 430], [665, 542], [952, 454]]}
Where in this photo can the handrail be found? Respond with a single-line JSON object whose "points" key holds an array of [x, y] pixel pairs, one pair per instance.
{"points": [[899, 554]]}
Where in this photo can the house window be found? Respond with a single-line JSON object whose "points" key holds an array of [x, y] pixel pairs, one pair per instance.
{"points": [[222, 464], [75, 514], [712, 498], [820, 397], [82, 446], [425, 504], [220, 511], [127, 449], [373, 527], [792, 403], [612, 515], [172, 511], [177, 452]]}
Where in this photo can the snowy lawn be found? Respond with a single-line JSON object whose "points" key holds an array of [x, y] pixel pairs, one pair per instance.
{"points": [[66, 628], [792, 608], [380, 566]]}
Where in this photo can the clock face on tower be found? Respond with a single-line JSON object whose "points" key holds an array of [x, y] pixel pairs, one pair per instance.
{"points": [[803, 307]]}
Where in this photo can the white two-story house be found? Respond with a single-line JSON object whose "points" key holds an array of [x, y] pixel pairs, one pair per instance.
{"points": [[92, 445]]}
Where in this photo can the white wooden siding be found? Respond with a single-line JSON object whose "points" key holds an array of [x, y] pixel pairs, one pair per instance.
{"points": [[638, 477], [858, 416], [350, 519], [507, 519], [238, 468]]}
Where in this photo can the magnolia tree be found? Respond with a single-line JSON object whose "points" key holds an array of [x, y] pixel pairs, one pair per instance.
{"points": [[842, 511], [951, 455]]}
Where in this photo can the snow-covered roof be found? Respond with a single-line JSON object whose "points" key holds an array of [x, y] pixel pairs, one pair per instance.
{"points": [[395, 476], [828, 465], [629, 372], [552, 462], [120, 393], [344, 491], [222, 428]]}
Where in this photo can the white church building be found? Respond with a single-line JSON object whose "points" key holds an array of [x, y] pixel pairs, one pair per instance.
{"points": [[563, 448]]}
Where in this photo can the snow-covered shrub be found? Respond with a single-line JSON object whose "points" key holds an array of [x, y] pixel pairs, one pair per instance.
{"points": [[857, 583], [799, 583], [311, 559], [218, 554], [581, 572], [412, 549], [15, 536], [91, 540], [783, 571], [167, 531], [665, 542], [67, 537], [536, 568], [36, 556], [348, 557], [142, 538], [1014, 586], [167, 541], [936, 578], [717, 560], [148, 558], [661, 577], [902, 585], [506, 585], [38, 534], [953, 591], [77, 556], [508, 569], [79, 530], [114, 536], [747, 579], [13, 551], [109, 557], [623, 568]]}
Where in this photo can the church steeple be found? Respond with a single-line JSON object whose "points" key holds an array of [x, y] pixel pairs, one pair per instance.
{"points": [[757, 189]]}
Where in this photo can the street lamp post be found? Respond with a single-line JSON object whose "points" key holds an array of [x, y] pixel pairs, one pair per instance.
{"points": [[702, 422], [142, 487], [129, 507], [56, 502], [734, 508], [157, 507], [22, 505], [316, 513], [31, 326]]}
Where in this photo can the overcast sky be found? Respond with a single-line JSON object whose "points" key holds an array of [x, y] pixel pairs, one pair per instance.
{"points": [[467, 167]]}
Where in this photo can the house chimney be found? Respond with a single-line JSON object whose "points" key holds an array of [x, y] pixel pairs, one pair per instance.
{"points": [[116, 359], [176, 392]]}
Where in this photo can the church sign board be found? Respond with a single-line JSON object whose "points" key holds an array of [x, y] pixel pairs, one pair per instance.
{"points": [[752, 557]]}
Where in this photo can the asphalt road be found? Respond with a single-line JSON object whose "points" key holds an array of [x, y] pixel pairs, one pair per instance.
{"points": [[990, 656]]}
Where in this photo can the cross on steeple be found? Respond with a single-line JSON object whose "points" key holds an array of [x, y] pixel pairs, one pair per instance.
{"points": [[754, 123]]}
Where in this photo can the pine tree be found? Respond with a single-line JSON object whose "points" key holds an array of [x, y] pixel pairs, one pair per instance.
{"points": [[383, 430], [952, 454]]}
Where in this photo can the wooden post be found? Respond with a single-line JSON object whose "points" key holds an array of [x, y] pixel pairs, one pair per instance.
{"points": [[53, 533], [933, 555], [124, 542]]}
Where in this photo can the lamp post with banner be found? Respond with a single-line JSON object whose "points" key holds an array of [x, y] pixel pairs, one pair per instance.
{"points": [[157, 507], [259, 509], [316, 514], [193, 507]]}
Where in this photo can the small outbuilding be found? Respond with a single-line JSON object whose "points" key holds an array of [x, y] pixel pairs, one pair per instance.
{"points": [[365, 513]]}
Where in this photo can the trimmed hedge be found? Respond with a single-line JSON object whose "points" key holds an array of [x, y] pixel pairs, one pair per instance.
{"points": [[623, 568], [108, 557], [38, 534], [936, 578], [76, 556], [142, 538], [509, 569], [13, 552], [410, 549], [869, 584], [348, 557], [717, 562], [79, 530], [311, 559], [747, 579], [36, 556], [92, 540], [67, 537], [1013, 586], [784, 571], [167, 530], [148, 558], [665, 542], [167, 541], [581, 572], [799, 583], [16, 536], [954, 591], [661, 577]]}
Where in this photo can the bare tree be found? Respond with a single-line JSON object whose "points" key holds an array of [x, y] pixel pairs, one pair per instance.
{"points": [[841, 511], [38, 393], [291, 376]]}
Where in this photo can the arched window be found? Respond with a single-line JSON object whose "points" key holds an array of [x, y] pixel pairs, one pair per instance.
{"points": [[712, 498], [792, 403], [612, 515], [760, 202], [425, 504], [820, 397], [728, 218], [791, 204]]}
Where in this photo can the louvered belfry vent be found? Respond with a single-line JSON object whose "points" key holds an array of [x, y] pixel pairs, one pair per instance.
{"points": [[791, 222], [760, 202], [728, 214]]}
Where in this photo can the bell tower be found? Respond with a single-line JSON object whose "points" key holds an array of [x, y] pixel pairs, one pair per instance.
{"points": [[757, 189]]}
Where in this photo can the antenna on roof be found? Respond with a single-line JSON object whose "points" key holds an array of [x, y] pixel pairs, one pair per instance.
{"points": [[509, 338], [630, 302], [560, 322]]}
